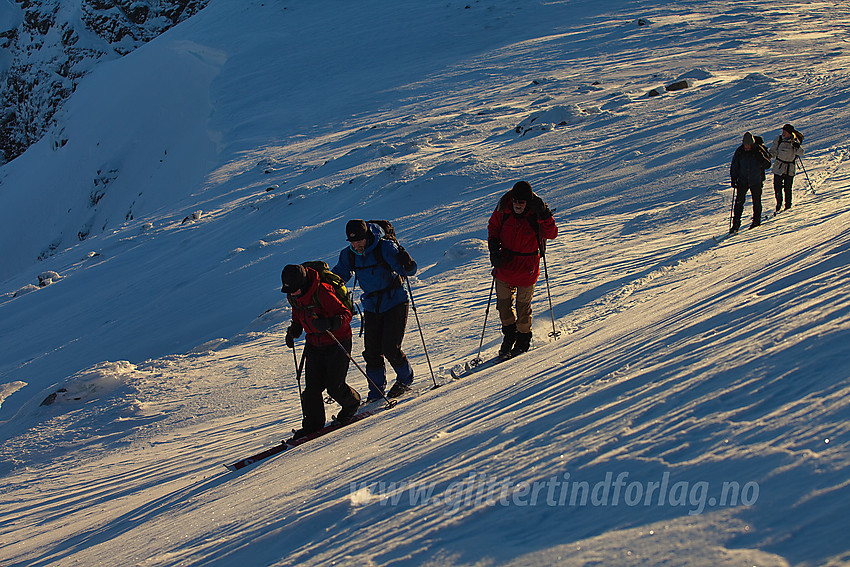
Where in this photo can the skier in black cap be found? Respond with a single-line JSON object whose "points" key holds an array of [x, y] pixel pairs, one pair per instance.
{"points": [[786, 148], [516, 236], [747, 174], [379, 265], [317, 310]]}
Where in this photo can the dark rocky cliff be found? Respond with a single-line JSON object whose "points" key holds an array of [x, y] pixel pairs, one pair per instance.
{"points": [[46, 46]]}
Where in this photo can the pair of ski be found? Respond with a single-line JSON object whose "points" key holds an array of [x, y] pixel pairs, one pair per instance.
{"points": [[291, 443], [457, 372], [764, 219]]}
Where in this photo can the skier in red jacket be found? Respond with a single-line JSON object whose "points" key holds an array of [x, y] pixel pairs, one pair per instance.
{"points": [[517, 230], [317, 310]]}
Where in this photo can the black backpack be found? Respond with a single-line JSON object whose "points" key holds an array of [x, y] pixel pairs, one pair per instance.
{"points": [[389, 234], [389, 230]]}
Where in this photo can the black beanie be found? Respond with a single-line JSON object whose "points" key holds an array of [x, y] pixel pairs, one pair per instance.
{"points": [[748, 139], [356, 230], [521, 191], [293, 277], [788, 128]]}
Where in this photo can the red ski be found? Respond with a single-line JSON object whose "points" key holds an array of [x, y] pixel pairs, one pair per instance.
{"points": [[290, 443]]}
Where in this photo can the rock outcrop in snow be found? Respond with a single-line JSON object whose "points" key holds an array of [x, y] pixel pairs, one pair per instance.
{"points": [[46, 46]]}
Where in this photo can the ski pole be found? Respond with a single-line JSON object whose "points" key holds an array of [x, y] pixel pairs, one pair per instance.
{"points": [[357, 305], [732, 208], [555, 333], [477, 360], [299, 367], [336, 340], [811, 187], [421, 334]]}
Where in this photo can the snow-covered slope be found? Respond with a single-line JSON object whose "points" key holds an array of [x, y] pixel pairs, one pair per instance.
{"points": [[693, 411]]}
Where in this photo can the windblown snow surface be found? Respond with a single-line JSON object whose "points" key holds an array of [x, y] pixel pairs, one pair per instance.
{"points": [[695, 409]]}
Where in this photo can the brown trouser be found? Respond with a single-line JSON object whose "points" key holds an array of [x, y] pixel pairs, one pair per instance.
{"points": [[505, 305]]}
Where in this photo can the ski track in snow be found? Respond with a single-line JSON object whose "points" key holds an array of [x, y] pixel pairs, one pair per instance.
{"points": [[707, 360]]}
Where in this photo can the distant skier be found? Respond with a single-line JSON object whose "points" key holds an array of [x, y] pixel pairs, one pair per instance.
{"points": [[518, 229], [785, 148], [747, 173], [317, 310], [379, 266]]}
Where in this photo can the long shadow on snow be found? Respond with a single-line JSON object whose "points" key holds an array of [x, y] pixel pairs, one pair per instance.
{"points": [[582, 408], [123, 524], [626, 284], [538, 442]]}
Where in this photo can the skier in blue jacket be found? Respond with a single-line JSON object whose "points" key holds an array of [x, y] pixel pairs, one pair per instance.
{"points": [[379, 266]]}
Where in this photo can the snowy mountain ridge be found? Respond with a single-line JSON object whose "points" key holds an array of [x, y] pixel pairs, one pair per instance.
{"points": [[47, 46], [693, 411]]}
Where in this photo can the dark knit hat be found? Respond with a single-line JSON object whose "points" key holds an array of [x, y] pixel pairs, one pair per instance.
{"points": [[521, 191], [749, 140], [293, 277], [356, 230], [788, 128]]}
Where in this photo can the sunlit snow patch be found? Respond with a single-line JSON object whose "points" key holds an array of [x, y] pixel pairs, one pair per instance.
{"points": [[465, 250], [548, 119], [10, 388], [94, 382], [362, 497]]}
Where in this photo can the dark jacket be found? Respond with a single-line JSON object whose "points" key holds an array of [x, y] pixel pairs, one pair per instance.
{"points": [[748, 166], [320, 302], [517, 236], [378, 272]]}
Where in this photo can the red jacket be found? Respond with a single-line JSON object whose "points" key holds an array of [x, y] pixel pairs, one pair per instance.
{"points": [[518, 235], [320, 302]]}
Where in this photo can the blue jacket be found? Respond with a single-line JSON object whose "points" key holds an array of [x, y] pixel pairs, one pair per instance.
{"points": [[380, 281]]}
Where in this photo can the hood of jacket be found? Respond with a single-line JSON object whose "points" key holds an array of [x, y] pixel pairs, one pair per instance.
{"points": [[377, 235]]}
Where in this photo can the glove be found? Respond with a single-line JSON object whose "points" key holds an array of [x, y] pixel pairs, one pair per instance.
{"points": [[539, 208], [495, 258], [735, 183], [292, 333], [407, 263], [321, 325]]}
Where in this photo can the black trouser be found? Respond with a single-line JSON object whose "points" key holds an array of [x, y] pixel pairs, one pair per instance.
{"points": [[741, 197], [383, 334], [782, 184], [325, 368]]}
